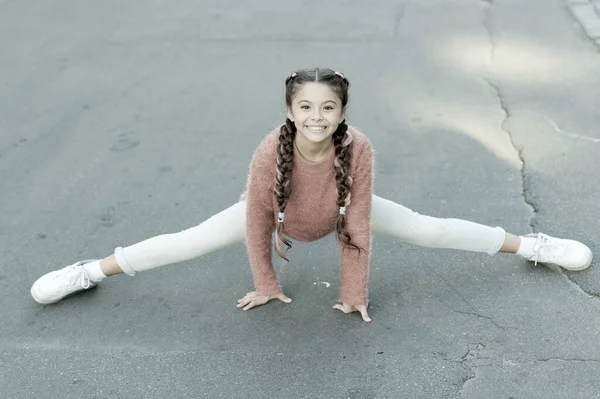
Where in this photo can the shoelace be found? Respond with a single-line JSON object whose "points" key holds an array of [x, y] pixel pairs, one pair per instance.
{"points": [[82, 279], [545, 243]]}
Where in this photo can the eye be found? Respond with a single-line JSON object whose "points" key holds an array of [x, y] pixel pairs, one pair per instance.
{"points": [[304, 107], [328, 107]]}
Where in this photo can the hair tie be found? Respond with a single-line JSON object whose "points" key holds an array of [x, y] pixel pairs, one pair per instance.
{"points": [[280, 217], [341, 75], [293, 75], [342, 210]]}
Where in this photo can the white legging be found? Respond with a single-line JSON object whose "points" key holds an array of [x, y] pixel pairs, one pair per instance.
{"points": [[229, 227]]}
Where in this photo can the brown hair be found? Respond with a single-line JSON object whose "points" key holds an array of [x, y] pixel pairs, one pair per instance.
{"points": [[285, 153]]}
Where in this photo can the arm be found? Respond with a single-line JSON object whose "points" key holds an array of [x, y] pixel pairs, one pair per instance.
{"points": [[260, 222], [355, 266]]}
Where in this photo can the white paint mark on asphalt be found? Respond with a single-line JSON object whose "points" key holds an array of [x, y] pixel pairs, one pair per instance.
{"points": [[562, 132]]}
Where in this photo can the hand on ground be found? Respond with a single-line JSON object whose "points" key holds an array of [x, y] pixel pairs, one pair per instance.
{"points": [[253, 299], [347, 308]]}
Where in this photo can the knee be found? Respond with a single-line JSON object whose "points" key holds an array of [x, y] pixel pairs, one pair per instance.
{"points": [[428, 231]]}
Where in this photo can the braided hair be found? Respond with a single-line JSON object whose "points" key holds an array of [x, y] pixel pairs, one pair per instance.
{"points": [[285, 153]]}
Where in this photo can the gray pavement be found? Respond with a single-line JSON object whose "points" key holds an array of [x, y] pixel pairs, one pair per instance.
{"points": [[123, 120]]}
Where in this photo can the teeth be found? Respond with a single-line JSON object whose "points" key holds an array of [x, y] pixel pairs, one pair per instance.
{"points": [[316, 128]]}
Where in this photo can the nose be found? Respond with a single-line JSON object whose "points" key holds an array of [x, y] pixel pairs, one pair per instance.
{"points": [[317, 115]]}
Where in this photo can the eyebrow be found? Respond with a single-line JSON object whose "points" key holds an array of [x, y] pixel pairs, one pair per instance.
{"points": [[325, 102]]}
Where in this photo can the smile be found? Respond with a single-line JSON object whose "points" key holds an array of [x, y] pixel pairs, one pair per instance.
{"points": [[316, 128]]}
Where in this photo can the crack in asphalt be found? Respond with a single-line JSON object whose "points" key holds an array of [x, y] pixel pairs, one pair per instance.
{"points": [[464, 380], [398, 19], [582, 21], [526, 192], [472, 374], [494, 322], [471, 355], [527, 196], [487, 14], [574, 359], [578, 287]]}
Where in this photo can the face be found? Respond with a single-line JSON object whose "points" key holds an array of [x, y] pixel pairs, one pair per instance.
{"points": [[316, 111]]}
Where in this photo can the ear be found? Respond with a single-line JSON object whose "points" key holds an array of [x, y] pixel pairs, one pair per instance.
{"points": [[288, 111], [343, 115]]}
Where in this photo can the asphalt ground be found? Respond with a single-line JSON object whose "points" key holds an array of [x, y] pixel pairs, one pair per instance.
{"points": [[123, 120]]}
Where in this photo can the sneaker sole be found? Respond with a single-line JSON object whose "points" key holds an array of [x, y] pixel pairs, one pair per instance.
{"points": [[587, 264], [584, 266], [35, 293]]}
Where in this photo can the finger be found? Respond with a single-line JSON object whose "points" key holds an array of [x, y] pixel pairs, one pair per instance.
{"points": [[249, 306], [243, 302], [340, 307], [284, 298], [364, 314], [247, 296], [242, 299]]}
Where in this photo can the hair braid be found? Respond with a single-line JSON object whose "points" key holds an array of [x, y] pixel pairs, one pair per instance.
{"points": [[342, 140], [283, 179], [285, 152]]}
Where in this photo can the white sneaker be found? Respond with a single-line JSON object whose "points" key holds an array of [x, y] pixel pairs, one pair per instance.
{"points": [[56, 285], [568, 254]]}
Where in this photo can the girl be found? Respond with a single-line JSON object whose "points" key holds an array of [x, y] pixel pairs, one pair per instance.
{"points": [[311, 176]]}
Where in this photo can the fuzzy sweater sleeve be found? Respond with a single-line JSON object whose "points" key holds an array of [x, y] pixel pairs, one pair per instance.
{"points": [[260, 220], [355, 266]]}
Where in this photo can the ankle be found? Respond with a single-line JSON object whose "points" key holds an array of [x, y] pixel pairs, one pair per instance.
{"points": [[511, 243], [110, 266]]}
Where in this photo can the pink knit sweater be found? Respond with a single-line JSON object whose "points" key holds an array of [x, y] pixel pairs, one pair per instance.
{"points": [[311, 212]]}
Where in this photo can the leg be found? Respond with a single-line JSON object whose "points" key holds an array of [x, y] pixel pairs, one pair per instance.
{"points": [[392, 219], [219, 231]]}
